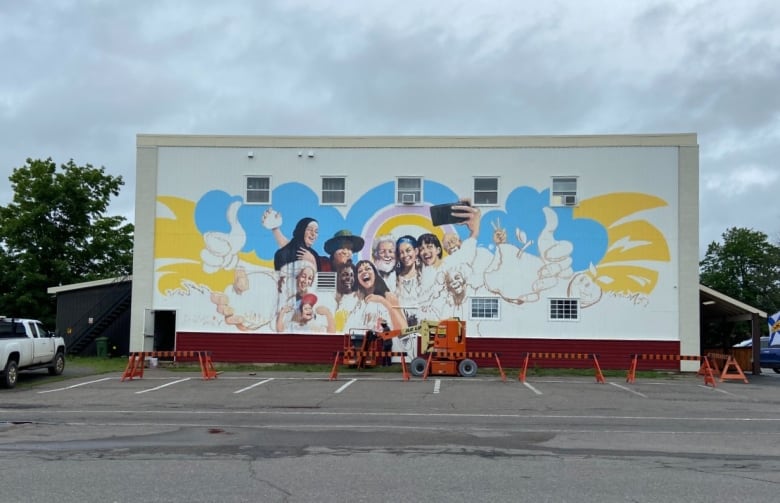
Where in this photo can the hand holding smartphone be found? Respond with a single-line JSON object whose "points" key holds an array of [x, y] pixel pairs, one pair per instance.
{"points": [[441, 214]]}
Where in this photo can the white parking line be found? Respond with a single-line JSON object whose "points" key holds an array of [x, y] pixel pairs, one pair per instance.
{"points": [[532, 388], [345, 386], [716, 389], [73, 386], [629, 390], [436, 386], [162, 386], [252, 386]]}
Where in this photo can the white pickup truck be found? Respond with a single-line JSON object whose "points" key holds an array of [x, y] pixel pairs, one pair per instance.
{"points": [[26, 345]]}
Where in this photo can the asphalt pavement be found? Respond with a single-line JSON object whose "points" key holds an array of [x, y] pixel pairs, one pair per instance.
{"points": [[280, 436]]}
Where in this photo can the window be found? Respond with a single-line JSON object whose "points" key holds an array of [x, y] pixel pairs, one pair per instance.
{"points": [[564, 309], [564, 191], [408, 190], [334, 190], [258, 189], [484, 308], [486, 191]]}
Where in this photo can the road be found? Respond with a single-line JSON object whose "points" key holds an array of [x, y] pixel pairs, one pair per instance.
{"points": [[273, 436]]}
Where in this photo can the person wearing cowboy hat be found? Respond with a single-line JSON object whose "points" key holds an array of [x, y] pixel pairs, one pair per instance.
{"points": [[341, 247]]}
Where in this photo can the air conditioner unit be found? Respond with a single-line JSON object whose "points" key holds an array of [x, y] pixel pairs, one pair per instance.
{"points": [[408, 198], [569, 200]]}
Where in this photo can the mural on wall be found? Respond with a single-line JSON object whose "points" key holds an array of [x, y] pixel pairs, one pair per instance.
{"points": [[295, 266]]}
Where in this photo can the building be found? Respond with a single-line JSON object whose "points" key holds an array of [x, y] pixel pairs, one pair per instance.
{"points": [[578, 244], [94, 310]]}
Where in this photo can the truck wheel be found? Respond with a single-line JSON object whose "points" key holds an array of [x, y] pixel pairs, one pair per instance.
{"points": [[417, 367], [467, 368], [58, 366], [777, 370], [10, 375]]}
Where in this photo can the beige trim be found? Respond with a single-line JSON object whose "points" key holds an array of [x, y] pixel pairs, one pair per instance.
{"points": [[651, 140]]}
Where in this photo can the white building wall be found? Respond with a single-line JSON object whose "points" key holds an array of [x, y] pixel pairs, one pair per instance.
{"points": [[608, 168]]}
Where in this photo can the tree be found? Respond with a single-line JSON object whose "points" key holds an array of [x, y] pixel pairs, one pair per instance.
{"points": [[746, 266], [55, 232]]}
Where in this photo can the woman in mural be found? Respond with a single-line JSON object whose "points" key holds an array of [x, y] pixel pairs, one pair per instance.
{"points": [[304, 317], [300, 247], [295, 280], [408, 275], [430, 253], [376, 303], [450, 299], [430, 250]]}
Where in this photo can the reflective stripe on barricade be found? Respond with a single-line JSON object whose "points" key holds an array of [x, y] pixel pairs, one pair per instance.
{"points": [[705, 369], [135, 364], [360, 356], [562, 356]]}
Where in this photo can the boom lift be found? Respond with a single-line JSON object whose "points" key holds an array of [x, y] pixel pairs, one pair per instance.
{"points": [[444, 343], [442, 348], [361, 347]]}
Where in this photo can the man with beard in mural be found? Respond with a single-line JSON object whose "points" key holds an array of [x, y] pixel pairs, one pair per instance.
{"points": [[346, 294], [383, 255]]}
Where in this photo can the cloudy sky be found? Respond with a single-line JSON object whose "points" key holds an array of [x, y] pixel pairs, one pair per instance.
{"points": [[80, 78]]}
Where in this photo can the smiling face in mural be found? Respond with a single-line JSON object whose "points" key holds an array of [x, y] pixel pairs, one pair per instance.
{"points": [[407, 256], [456, 283], [430, 250], [366, 276], [346, 276], [451, 242], [307, 313], [304, 279], [311, 233], [384, 258]]}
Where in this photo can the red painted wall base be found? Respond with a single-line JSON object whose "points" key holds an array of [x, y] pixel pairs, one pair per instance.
{"points": [[311, 348]]}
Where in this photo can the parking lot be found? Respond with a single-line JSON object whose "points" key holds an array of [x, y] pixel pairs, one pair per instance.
{"points": [[431, 434]]}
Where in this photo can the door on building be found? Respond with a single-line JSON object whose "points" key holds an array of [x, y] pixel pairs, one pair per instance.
{"points": [[164, 330]]}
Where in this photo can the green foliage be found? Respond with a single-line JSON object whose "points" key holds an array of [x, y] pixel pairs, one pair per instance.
{"points": [[55, 232], [746, 267]]}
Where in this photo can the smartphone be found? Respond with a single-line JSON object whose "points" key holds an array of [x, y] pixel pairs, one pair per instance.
{"points": [[441, 214]]}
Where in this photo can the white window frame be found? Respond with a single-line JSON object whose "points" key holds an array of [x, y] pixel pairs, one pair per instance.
{"points": [[342, 191], [485, 192], [479, 312], [400, 192], [266, 191], [563, 309], [564, 191]]}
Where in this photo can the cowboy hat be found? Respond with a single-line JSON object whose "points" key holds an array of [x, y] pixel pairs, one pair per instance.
{"points": [[344, 239]]}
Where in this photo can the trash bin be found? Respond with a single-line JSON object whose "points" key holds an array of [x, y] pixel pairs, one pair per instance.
{"points": [[101, 346]]}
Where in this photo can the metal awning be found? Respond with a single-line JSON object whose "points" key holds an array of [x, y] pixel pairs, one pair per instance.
{"points": [[720, 306]]}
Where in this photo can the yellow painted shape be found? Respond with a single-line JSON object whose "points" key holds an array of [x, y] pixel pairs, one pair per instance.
{"points": [[610, 208], [405, 219], [627, 278], [178, 239], [635, 240]]}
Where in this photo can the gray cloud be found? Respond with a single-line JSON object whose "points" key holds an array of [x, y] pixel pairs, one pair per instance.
{"points": [[81, 79]]}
